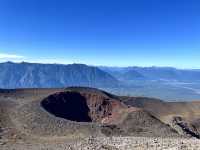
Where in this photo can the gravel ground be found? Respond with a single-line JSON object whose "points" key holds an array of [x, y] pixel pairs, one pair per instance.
{"points": [[112, 143]]}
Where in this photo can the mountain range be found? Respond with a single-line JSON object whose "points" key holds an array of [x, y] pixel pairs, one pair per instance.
{"points": [[153, 73], [32, 75], [161, 82]]}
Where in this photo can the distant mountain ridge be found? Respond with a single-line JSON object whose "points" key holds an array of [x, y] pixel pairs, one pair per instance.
{"points": [[153, 73], [33, 75], [160, 82]]}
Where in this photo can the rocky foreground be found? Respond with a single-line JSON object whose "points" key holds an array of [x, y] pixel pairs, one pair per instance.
{"points": [[108, 143], [91, 119]]}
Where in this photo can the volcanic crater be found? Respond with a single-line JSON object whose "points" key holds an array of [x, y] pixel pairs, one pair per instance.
{"points": [[79, 113], [81, 107]]}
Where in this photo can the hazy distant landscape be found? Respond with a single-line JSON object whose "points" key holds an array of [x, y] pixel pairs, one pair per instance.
{"points": [[159, 82], [167, 90]]}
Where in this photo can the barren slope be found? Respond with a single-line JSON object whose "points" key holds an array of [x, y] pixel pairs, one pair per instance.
{"points": [[182, 116]]}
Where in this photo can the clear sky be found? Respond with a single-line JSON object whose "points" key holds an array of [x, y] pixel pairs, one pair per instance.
{"points": [[101, 32]]}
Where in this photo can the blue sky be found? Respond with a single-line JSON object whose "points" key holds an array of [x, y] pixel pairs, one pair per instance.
{"points": [[101, 32]]}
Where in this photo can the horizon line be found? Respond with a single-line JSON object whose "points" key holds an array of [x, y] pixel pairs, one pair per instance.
{"points": [[109, 66]]}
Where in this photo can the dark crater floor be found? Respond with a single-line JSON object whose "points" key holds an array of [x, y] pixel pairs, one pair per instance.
{"points": [[68, 105]]}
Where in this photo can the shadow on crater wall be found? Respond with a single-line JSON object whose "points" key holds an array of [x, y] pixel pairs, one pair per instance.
{"points": [[68, 105]]}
